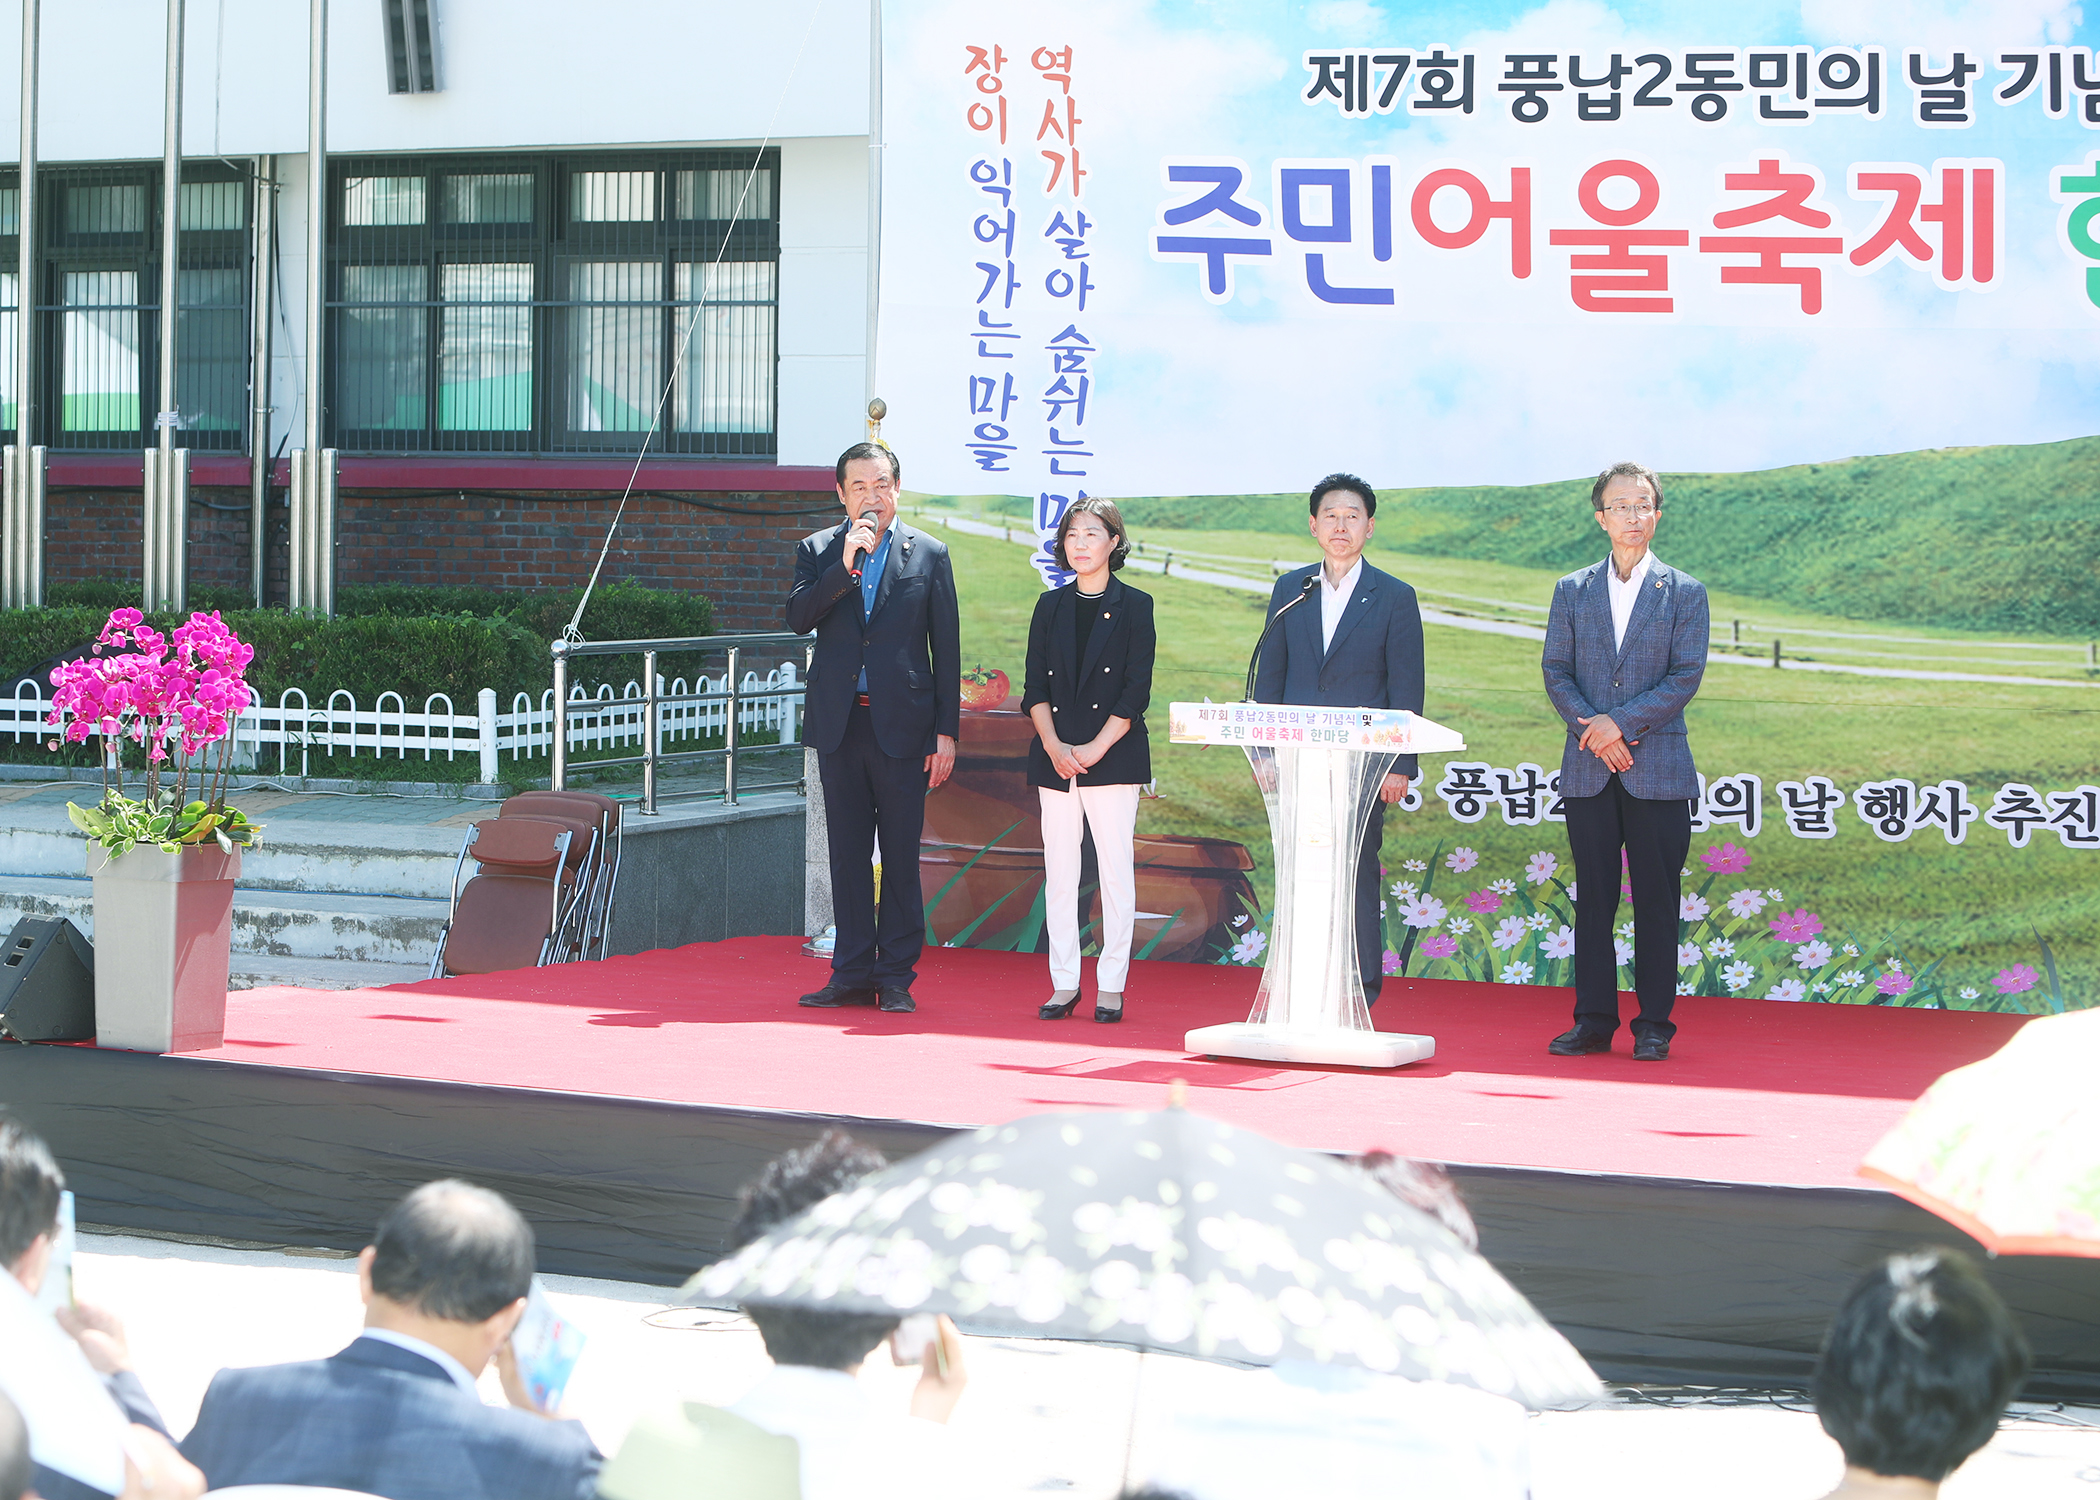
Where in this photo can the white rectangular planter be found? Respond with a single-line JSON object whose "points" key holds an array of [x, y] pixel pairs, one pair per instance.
{"points": [[163, 930]]}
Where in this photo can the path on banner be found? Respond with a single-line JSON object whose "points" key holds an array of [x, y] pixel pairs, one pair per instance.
{"points": [[1517, 628]]}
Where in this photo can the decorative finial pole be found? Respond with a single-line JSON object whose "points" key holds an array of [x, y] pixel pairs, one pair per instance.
{"points": [[877, 410]]}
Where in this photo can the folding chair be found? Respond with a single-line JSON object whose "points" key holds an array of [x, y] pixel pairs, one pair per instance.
{"points": [[510, 915], [604, 874], [577, 874]]}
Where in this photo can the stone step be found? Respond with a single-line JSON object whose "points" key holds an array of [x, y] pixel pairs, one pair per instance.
{"points": [[376, 859], [253, 971], [327, 926]]}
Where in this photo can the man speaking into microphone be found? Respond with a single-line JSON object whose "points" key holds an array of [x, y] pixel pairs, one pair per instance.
{"points": [[1348, 636], [882, 709]]}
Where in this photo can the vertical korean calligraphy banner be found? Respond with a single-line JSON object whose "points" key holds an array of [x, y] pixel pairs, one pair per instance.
{"points": [[1833, 269]]}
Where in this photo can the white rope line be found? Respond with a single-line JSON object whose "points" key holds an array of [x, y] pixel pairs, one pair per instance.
{"points": [[572, 632]]}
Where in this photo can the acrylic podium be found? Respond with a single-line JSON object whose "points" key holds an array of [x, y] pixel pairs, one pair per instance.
{"points": [[1319, 770]]}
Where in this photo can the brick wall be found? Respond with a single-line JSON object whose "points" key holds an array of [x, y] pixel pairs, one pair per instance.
{"points": [[97, 534], [743, 561], [91, 535]]}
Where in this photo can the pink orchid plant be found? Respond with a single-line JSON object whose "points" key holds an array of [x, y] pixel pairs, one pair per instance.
{"points": [[187, 688]]}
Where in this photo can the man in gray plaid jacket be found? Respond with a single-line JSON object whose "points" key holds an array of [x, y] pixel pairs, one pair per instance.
{"points": [[1625, 649]]}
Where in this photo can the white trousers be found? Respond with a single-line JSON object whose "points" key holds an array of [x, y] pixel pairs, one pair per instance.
{"points": [[1111, 811]]}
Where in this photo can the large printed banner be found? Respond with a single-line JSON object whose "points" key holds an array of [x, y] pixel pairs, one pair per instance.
{"points": [[1199, 248], [1730, 237]]}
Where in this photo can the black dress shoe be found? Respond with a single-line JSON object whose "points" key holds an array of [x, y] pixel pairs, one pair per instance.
{"points": [[1055, 1009], [1578, 1042], [1650, 1049], [899, 1001], [1108, 1012], [835, 994]]}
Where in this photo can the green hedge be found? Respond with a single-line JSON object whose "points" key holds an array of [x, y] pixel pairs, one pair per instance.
{"points": [[389, 639]]}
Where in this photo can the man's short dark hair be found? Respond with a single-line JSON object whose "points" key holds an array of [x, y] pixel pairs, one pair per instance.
{"points": [[452, 1250], [16, 1467], [1918, 1366], [1426, 1186], [870, 450], [1349, 482], [1111, 519], [788, 1185], [1626, 468], [30, 1183]]}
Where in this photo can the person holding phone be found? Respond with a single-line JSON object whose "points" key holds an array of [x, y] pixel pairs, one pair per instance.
{"points": [[853, 1444], [91, 1427], [1089, 679], [397, 1413]]}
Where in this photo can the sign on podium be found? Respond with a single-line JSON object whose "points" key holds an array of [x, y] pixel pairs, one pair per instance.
{"points": [[1320, 771]]}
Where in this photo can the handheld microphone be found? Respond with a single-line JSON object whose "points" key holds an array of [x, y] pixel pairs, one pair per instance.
{"points": [[855, 572], [1312, 582]]}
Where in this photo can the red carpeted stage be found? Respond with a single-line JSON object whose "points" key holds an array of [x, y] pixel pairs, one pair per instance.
{"points": [[1695, 1219]]}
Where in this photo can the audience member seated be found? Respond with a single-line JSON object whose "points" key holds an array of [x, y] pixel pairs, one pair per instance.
{"points": [[14, 1452], [1426, 1186], [705, 1453], [397, 1412], [851, 1449], [72, 1387], [1917, 1368]]}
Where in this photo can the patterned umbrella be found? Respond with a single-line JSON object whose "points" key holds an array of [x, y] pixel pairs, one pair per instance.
{"points": [[2008, 1149], [1162, 1231]]}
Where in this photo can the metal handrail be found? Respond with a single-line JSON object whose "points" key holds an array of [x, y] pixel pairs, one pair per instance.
{"points": [[654, 700]]}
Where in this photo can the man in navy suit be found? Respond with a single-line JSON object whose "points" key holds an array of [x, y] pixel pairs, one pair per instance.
{"points": [[1625, 648], [1358, 644], [396, 1413], [883, 708]]}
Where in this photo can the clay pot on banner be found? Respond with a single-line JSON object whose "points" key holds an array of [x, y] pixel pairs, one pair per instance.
{"points": [[163, 944], [1198, 886], [987, 812]]}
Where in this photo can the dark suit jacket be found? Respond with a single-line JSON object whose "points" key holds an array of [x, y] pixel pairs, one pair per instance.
{"points": [[1643, 684], [1113, 682], [910, 642], [1375, 660], [381, 1419]]}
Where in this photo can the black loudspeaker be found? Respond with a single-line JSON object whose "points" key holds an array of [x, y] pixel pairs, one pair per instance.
{"points": [[47, 983]]}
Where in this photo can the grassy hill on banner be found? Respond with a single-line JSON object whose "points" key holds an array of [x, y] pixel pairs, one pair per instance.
{"points": [[2017, 710], [1966, 538]]}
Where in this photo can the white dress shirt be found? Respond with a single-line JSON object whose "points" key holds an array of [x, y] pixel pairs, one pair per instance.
{"points": [[1623, 594], [851, 1449], [431, 1352], [75, 1425], [1335, 598]]}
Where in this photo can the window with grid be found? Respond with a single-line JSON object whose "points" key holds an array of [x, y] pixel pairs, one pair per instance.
{"points": [[97, 305], [539, 303]]}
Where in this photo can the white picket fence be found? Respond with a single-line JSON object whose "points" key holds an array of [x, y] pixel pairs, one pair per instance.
{"points": [[771, 703]]}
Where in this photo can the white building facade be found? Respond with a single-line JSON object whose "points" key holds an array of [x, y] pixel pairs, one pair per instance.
{"points": [[513, 262]]}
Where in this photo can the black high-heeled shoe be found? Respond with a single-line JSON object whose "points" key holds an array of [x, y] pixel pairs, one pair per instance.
{"points": [[1104, 1013], [1055, 1009]]}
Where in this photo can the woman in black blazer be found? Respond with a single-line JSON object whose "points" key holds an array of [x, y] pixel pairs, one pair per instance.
{"points": [[1089, 679]]}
